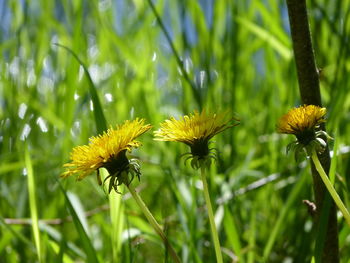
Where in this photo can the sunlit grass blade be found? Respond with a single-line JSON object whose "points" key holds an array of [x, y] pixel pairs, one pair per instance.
{"points": [[334, 160], [273, 22], [184, 196], [232, 234], [32, 202], [116, 210], [58, 238], [11, 166], [282, 216], [263, 34], [90, 252], [56, 248], [100, 120]]}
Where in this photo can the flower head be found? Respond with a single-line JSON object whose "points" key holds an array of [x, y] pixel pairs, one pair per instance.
{"points": [[304, 123], [108, 151], [195, 130]]}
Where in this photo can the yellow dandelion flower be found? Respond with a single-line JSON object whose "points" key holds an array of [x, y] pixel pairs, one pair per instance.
{"points": [[300, 119], [302, 122], [195, 130], [108, 151]]}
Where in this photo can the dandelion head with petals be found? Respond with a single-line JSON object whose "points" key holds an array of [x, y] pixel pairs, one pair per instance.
{"points": [[196, 130], [108, 151], [304, 122]]}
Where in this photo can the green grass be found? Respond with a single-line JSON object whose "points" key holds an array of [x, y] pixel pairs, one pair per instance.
{"points": [[237, 57]]}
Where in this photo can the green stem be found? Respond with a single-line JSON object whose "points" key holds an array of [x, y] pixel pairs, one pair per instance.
{"points": [[330, 187], [211, 217], [153, 223]]}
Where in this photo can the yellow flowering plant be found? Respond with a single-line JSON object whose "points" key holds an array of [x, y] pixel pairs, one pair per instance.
{"points": [[304, 122], [196, 130], [109, 151]]}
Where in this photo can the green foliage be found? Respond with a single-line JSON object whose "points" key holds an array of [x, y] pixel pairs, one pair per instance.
{"points": [[237, 55]]}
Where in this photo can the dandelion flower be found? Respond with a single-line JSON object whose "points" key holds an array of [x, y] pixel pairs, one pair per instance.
{"points": [[195, 130], [304, 123], [108, 151]]}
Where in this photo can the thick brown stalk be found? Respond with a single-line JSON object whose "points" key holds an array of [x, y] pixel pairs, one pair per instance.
{"points": [[309, 88]]}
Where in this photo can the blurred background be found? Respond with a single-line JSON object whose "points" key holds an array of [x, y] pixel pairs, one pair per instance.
{"points": [[216, 55]]}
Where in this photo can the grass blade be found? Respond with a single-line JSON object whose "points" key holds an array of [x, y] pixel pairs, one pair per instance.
{"points": [[86, 242], [117, 218], [100, 120], [32, 202], [232, 234], [263, 34], [284, 212]]}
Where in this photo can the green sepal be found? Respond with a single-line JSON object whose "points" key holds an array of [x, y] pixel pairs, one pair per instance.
{"points": [[299, 152], [325, 134]]}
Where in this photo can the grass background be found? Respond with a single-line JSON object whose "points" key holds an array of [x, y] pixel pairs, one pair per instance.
{"points": [[237, 55]]}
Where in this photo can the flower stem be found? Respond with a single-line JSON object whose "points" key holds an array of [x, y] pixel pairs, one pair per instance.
{"points": [[153, 223], [330, 187], [211, 217]]}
